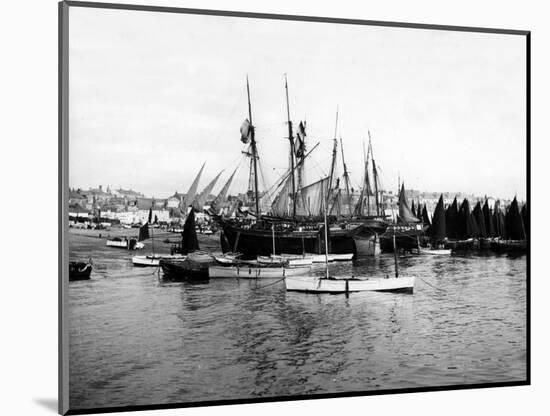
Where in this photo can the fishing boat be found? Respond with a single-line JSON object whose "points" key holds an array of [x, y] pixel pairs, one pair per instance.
{"points": [[436, 231], [125, 243], [151, 260], [79, 270], [195, 264], [331, 284], [406, 231], [248, 271]]}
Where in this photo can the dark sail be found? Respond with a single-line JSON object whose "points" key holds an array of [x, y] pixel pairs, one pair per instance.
{"points": [[514, 223], [500, 226], [489, 220], [413, 208], [525, 217], [467, 226], [425, 216], [480, 221], [189, 240], [405, 213], [143, 232], [438, 228], [451, 220]]}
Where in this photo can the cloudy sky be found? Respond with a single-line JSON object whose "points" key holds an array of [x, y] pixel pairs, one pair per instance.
{"points": [[152, 96]]}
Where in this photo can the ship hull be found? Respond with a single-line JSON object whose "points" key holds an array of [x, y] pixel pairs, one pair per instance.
{"points": [[253, 243]]}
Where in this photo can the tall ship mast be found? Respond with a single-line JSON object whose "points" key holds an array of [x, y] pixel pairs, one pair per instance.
{"points": [[293, 225]]}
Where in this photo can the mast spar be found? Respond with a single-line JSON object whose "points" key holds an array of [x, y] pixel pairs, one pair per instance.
{"points": [[254, 151], [291, 140], [346, 177], [375, 177]]}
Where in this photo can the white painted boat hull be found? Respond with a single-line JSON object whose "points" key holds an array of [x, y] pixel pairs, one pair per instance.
{"points": [[124, 244], [153, 261], [314, 284], [320, 258], [435, 252], [251, 272], [297, 261]]}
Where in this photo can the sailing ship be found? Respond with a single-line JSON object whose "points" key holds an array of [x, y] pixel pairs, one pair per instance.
{"points": [[370, 215], [436, 231], [293, 220]]}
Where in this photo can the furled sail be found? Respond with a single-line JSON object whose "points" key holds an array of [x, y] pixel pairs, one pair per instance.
{"points": [[246, 131], [310, 198], [200, 200], [191, 193], [405, 213], [438, 228]]}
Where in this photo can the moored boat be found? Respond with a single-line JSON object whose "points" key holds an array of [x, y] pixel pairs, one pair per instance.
{"points": [[125, 243], [313, 284], [248, 271], [79, 270], [154, 260]]}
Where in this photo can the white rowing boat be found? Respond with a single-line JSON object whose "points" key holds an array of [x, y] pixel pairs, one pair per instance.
{"points": [[317, 258], [255, 272], [154, 260], [131, 244], [297, 261], [315, 284], [435, 251]]}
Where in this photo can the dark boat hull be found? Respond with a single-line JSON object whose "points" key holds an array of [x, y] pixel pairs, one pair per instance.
{"points": [[253, 243], [79, 271], [407, 237], [182, 270]]}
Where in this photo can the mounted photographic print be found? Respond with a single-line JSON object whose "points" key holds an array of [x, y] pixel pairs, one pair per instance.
{"points": [[263, 207]]}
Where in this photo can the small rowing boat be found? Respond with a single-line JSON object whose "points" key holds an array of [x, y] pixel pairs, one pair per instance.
{"points": [[79, 270], [128, 244], [154, 260], [314, 284]]}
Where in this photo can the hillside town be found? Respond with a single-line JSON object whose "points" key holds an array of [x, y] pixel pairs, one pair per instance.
{"points": [[127, 207]]}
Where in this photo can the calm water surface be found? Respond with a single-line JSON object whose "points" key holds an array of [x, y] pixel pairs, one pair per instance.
{"points": [[137, 340]]}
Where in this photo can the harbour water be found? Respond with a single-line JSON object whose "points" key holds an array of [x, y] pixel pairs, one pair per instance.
{"points": [[136, 340]]}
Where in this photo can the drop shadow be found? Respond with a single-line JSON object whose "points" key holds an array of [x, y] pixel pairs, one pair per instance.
{"points": [[49, 404]]}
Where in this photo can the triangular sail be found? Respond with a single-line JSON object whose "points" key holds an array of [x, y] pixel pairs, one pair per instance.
{"points": [[200, 200], [405, 213], [438, 228], [480, 220], [451, 219], [514, 223], [143, 232], [222, 195], [192, 192], [489, 220], [189, 241]]}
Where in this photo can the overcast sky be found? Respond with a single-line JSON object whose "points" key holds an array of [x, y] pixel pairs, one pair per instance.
{"points": [[152, 96]]}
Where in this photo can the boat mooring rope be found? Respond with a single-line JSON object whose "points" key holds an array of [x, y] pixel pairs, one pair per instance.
{"points": [[429, 284], [269, 284]]}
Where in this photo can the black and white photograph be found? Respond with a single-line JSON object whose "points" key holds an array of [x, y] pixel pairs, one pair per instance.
{"points": [[259, 208]]}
